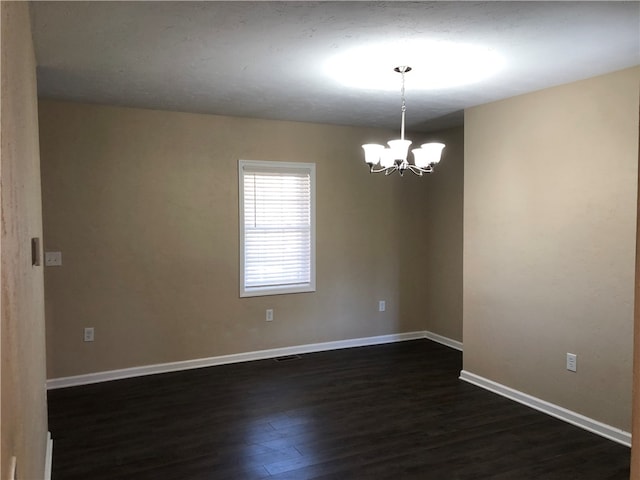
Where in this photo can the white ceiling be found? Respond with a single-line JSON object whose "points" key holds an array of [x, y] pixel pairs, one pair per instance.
{"points": [[266, 59]]}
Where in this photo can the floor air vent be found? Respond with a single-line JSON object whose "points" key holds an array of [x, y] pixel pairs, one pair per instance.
{"points": [[287, 358]]}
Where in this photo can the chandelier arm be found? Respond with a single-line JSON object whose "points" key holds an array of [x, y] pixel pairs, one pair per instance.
{"points": [[382, 169], [420, 171]]}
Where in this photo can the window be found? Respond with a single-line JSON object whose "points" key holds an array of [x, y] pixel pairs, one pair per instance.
{"points": [[277, 227]]}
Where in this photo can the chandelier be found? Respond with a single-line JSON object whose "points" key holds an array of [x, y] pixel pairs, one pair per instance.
{"points": [[394, 157]]}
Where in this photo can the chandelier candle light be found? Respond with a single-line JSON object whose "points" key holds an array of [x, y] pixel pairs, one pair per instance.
{"points": [[394, 157]]}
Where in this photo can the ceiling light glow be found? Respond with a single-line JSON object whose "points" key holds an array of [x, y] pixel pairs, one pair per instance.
{"points": [[436, 65]]}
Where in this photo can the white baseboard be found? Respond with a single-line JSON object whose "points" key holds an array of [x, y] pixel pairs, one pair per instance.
{"points": [[233, 358], [599, 428], [12, 467], [48, 461], [449, 342]]}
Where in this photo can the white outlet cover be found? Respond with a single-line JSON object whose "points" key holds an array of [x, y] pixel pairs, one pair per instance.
{"points": [[53, 259], [382, 306], [572, 362], [89, 333]]}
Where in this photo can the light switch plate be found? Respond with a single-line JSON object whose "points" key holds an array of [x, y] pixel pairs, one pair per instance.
{"points": [[53, 259]]}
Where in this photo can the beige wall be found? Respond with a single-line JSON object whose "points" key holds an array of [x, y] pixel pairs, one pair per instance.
{"points": [[24, 416], [431, 226], [635, 407], [550, 223], [144, 207]]}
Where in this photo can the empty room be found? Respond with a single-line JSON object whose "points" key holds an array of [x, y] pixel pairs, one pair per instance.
{"points": [[319, 240]]}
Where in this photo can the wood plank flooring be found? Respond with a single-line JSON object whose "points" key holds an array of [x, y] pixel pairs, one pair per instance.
{"points": [[395, 411]]}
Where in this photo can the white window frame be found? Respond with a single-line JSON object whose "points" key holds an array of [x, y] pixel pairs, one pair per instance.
{"points": [[283, 167]]}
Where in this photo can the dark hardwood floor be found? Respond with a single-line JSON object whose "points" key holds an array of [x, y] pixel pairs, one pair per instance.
{"points": [[394, 411]]}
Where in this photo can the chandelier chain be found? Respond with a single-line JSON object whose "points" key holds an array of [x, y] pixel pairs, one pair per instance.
{"points": [[404, 105]]}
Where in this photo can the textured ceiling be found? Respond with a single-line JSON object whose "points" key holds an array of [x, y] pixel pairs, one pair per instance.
{"points": [[266, 59]]}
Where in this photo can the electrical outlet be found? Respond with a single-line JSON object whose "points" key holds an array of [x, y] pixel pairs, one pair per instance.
{"points": [[382, 306], [53, 259], [269, 316], [572, 362], [89, 334]]}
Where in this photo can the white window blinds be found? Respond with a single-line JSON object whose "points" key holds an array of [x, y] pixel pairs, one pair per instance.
{"points": [[277, 225]]}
